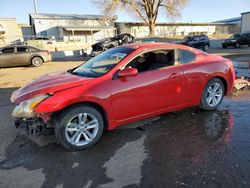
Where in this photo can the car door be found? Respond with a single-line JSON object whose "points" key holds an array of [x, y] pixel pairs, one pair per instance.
{"points": [[193, 74], [202, 42], [196, 42], [21, 56], [6, 57], [149, 91]]}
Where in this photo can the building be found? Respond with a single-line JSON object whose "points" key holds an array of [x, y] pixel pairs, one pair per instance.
{"points": [[88, 29], [139, 29], [245, 22], [27, 31], [65, 27], [9, 31]]}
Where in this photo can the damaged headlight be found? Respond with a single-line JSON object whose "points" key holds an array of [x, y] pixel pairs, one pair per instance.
{"points": [[25, 108]]}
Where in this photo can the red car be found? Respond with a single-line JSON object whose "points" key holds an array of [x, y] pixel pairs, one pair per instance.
{"points": [[121, 85]]}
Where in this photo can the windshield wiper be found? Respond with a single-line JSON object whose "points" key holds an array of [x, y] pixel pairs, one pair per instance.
{"points": [[76, 73]]}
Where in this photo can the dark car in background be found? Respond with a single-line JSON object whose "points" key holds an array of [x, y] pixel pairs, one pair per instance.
{"points": [[196, 41], [11, 56], [237, 40], [106, 44]]}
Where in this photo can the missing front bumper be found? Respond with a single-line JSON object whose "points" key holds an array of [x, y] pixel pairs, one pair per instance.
{"points": [[34, 126]]}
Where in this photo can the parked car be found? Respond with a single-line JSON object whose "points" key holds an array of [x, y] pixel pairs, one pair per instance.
{"points": [[121, 85], [117, 40], [196, 41], [237, 40], [40, 42], [11, 56]]}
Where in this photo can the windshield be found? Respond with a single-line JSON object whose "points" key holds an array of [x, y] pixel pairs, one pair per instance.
{"points": [[234, 37], [102, 63]]}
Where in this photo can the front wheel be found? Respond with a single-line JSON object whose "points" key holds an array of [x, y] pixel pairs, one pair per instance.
{"points": [[213, 94], [79, 128]]}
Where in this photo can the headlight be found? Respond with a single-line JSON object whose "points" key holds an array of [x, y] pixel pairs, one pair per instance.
{"points": [[233, 40], [25, 108]]}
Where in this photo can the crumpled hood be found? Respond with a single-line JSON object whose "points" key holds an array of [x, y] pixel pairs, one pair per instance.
{"points": [[47, 84]]}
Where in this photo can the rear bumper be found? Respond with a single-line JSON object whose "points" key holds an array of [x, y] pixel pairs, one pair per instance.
{"points": [[47, 58]]}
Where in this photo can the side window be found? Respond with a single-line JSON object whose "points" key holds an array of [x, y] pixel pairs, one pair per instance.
{"points": [[186, 56], [153, 60], [33, 49], [8, 50], [22, 49]]}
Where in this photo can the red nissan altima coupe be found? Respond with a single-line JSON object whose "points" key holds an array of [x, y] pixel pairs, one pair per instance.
{"points": [[121, 85]]}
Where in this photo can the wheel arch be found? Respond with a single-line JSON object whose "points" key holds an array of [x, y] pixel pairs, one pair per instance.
{"points": [[224, 83], [91, 104]]}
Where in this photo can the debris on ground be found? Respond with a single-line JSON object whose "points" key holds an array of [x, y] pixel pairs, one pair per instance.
{"points": [[241, 83], [242, 72]]}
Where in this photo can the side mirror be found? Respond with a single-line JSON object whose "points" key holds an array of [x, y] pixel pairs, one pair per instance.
{"points": [[128, 72]]}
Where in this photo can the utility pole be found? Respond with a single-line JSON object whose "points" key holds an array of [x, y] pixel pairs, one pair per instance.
{"points": [[35, 6]]}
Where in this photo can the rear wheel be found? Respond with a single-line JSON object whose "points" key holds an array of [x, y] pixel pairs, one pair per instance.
{"points": [[213, 94], [237, 45], [79, 128], [205, 48], [36, 61]]}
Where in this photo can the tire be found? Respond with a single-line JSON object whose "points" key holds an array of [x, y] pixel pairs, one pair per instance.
{"points": [[37, 61], [75, 135], [237, 45], [205, 48], [212, 97], [224, 46]]}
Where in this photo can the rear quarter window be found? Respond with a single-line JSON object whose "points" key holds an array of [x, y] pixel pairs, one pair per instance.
{"points": [[22, 49], [186, 56], [33, 49]]}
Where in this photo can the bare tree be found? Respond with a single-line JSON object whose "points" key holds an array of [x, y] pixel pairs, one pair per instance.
{"points": [[147, 10]]}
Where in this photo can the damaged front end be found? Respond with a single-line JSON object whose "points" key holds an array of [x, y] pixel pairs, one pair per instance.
{"points": [[33, 123], [34, 126]]}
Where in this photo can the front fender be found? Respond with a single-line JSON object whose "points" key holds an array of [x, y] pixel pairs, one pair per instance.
{"points": [[63, 99]]}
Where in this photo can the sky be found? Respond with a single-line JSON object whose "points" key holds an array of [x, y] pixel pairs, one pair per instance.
{"points": [[195, 11]]}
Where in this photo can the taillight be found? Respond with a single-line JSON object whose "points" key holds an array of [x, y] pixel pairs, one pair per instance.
{"points": [[47, 52]]}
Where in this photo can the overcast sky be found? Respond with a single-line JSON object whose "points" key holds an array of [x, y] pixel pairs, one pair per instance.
{"points": [[195, 11]]}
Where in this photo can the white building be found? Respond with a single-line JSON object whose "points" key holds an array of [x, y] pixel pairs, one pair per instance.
{"points": [[64, 27], [10, 32], [245, 22], [139, 29]]}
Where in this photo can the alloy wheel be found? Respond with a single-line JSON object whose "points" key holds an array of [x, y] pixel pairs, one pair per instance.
{"points": [[81, 129], [214, 94], [37, 61]]}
